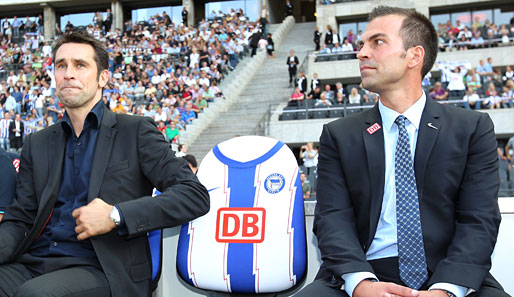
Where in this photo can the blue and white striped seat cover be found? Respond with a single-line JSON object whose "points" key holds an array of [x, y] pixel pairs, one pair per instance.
{"points": [[253, 238]]}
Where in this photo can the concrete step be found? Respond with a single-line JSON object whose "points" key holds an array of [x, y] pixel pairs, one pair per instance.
{"points": [[268, 86]]}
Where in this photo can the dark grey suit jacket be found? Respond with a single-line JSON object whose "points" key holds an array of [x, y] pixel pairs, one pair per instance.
{"points": [[131, 157], [456, 168]]}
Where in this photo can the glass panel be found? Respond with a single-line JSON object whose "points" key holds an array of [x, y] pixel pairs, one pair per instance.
{"points": [[501, 18], [464, 18], [481, 17], [250, 8], [439, 19], [78, 19], [345, 28]]}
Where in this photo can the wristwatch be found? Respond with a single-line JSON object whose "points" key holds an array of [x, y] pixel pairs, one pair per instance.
{"points": [[115, 216]]}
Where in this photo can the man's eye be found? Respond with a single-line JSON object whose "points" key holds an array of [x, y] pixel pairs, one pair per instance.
{"points": [[379, 41]]}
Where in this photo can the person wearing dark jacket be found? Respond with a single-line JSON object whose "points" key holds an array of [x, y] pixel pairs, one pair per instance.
{"points": [[292, 61]]}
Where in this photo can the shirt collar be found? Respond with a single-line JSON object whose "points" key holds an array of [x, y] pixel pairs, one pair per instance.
{"points": [[413, 113], [93, 118]]}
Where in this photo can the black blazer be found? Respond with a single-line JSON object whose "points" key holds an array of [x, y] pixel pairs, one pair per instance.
{"points": [[456, 169], [131, 157]]}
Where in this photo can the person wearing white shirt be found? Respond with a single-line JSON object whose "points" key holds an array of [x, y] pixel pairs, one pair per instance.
{"points": [[399, 209], [347, 46]]}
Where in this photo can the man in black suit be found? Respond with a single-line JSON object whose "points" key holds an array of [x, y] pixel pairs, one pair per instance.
{"points": [[84, 207], [407, 191], [16, 131]]}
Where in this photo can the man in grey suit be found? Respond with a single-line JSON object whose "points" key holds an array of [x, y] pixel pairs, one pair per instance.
{"points": [[407, 191], [79, 224]]}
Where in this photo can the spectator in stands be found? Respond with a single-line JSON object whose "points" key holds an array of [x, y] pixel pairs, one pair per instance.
{"points": [[339, 98], [484, 69], [339, 88], [292, 62], [370, 97], [4, 129], [108, 20], [329, 37], [317, 38], [315, 94], [323, 102], [301, 82], [314, 81], [296, 98], [347, 46], [452, 43], [336, 39], [336, 49], [466, 33], [493, 100], [188, 115], [181, 150], [354, 97], [16, 133], [329, 94], [270, 48], [309, 154], [325, 49], [477, 41], [509, 73], [289, 8], [506, 97], [471, 99], [463, 43], [456, 80], [191, 161], [439, 93], [16, 24], [306, 186], [173, 132]]}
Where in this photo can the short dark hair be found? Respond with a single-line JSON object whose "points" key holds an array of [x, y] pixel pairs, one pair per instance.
{"points": [[191, 160], [416, 30], [101, 55]]}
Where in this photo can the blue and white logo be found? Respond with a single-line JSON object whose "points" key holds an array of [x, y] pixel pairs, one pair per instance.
{"points": [[274, 183]]}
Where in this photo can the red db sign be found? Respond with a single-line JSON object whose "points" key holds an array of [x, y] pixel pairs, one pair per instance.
{"points": [[240, 225]]}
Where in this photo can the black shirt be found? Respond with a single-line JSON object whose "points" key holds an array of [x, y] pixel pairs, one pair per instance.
{"points": [[59, 237]]}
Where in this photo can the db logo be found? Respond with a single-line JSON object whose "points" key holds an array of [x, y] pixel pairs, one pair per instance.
{"points": [[240, 225]]}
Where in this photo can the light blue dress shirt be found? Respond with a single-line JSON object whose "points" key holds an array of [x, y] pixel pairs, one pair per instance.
{"points": [[384, 244]]}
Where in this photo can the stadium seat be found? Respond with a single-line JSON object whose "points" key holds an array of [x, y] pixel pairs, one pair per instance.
{"points": [[353, 109], [252, 240], [155, 243], [303, 115], [319, 114], [287, 116]]}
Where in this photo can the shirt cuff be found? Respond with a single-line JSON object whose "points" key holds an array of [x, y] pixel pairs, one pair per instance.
{"points": [[121, 230], [458, 291], [351, 280]]}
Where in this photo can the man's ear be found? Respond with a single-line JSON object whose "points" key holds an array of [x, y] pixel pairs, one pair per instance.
{"points": [[104, 78], [416, 56]]}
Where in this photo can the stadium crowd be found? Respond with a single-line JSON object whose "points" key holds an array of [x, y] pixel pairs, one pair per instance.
{"points": [[159, 69], [330, 45]]}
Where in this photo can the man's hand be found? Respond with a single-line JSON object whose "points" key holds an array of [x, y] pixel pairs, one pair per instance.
{"points": [[367, 288], [433, 293], [93, 219]]}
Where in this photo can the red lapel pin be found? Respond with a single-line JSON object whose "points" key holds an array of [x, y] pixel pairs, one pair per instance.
{"points": [[373, 128]]}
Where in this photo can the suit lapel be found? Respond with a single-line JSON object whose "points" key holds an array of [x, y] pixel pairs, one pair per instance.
{"points": [[55, 157], [427, 134], [103, 149], [374, 145]]}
